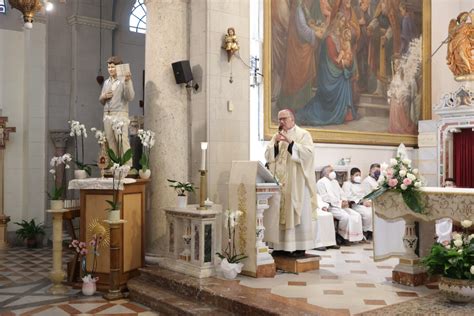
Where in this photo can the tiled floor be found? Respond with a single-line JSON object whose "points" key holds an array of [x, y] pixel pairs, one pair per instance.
{"points": [[24, 283], [348, 279]]}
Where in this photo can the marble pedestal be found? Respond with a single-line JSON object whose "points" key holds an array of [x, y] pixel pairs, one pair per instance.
{"points": [[3, 231], [57, 274]]}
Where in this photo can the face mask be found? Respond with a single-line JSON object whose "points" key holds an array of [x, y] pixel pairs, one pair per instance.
{"points": [[332, 175], [357, 179], [376, 174]]}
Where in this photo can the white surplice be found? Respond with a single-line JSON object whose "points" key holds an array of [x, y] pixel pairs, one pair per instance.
{"points": [[354, 192], [350, 222], [324, 226]]}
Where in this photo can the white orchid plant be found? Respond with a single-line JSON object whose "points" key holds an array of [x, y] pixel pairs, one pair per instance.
{"points": [[401, 177], [79, 132], [118, 173], [148, 140], [120, 157], [55, 164], [231, 221], [100, 136]]}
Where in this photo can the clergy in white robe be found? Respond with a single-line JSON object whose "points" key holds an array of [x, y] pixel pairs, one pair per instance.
{"points": [[354, 194], [387, 234], [290, 158], [350, 222], [324, 226]]}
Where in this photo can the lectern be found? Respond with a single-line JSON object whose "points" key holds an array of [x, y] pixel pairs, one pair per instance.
{"points": [[251, 188]]}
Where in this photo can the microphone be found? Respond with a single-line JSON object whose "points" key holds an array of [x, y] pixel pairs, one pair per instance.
{"points": [[280, 128]]}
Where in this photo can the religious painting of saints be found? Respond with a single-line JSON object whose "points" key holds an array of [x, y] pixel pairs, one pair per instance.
{"points": [[352, 71]]}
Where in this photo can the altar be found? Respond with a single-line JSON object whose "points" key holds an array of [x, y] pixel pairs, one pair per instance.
{"points": [[93, 212], [454, 203]]}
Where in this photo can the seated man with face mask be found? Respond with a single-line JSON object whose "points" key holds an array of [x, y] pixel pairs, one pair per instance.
{"points": [[350, 222], [354, 193]]}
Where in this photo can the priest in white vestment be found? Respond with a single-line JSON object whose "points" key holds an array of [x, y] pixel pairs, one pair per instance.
{"points": [[324, 227], [355, 193], [290, 159], [350, 222], [388, 234]]}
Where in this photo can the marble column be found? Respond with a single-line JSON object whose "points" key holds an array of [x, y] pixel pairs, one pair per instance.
{"points": [[166, 109], [57, 274]]}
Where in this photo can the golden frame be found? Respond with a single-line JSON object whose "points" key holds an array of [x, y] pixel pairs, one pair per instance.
{"points": [[352, 137]]}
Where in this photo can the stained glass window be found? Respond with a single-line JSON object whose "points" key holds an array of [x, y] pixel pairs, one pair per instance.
{"points": [[3, 8], [137, 21]]}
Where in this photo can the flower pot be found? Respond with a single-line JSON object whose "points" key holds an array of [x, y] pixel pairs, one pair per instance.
{"points": [[457, 291], [57, 204], [31, 243], [230, 270], [80, 174], [89, 287], [114, 215], [182, 201], [144, 174]]}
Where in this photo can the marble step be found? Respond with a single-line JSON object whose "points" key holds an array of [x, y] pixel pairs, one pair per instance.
{"points": [[227, 295], [167, 302]]}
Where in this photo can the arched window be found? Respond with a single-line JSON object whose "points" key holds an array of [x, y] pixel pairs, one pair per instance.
{"points": [[2, 6], [137, 21]]}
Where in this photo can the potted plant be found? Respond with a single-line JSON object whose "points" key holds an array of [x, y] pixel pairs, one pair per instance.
{"points": [[148, 140], [181, 188], [56, 166], [78, 131], [119, 157], [230, 264], [117, 176], [88, 279], [454, 261], [30, 232]]}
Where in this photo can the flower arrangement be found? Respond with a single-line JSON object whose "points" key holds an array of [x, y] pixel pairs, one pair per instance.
{"points": [[120, 157], [118, 173], [81, 248], [455, 258], [55, 164], [230, 254], [181, 187], [100, 136], [148, 140], [77, 131], [401, 177]]}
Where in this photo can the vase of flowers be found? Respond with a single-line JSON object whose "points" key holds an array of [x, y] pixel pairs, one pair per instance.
{"points": [[148, 140], [453, 260], [399, 176], [230, 264], [56, 170], [181, 188], [117, 177], [79, 132], [81, 248]]}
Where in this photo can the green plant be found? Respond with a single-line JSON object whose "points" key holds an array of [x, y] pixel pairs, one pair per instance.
{"points": [[56, 163], [455, 258], [119, 157], [29, 230], [181, 187], [148, 140], [230, 252], [400, 177], [78, 130], [118, 173]]}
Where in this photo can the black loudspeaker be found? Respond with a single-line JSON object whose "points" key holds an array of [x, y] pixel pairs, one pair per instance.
{"points": [[182, 71]]}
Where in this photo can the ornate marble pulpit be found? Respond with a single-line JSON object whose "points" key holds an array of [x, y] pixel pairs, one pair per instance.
{"points": [[455, 203], [251, 187]]}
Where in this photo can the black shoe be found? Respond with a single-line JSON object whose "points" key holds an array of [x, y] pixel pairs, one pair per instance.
{"points": [[320, 249], [334, 247], [298, 253]]}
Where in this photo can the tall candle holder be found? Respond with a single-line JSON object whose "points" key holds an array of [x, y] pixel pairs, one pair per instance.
{"points": [[202, 190]]}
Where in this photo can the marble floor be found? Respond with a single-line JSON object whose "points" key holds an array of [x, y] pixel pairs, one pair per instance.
{"points": [[348, 280]]}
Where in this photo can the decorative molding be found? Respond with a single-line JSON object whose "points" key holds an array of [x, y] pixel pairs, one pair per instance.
{"points": [[59, 138], [457, 103], [85, 20]]}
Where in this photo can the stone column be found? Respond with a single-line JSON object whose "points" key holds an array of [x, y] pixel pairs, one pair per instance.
{"points": [[59, 138], [166, 109], [57, 274]]}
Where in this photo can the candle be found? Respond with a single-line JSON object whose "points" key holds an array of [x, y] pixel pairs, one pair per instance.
{"points": [[203, 155]]}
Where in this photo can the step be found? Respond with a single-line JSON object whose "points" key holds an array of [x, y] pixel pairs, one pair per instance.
{"points": [[166, 301], [227, 295]]}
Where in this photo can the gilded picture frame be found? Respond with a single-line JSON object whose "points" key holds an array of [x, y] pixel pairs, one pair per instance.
{"points": [[343, 133]]}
